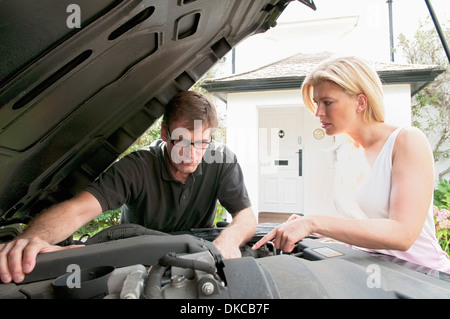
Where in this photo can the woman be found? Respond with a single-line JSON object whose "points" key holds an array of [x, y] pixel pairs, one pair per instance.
{"points": [[396, 197]]}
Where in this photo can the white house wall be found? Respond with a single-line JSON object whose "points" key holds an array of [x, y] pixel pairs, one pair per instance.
{"points": [[397, 99], [319, 159]]}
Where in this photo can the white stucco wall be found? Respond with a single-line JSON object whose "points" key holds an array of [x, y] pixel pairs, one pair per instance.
{"points": [[319, 160], [397, 99]]}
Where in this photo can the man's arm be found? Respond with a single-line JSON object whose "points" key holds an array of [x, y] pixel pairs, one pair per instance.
{"points": [[18, 257], [241, 229]]}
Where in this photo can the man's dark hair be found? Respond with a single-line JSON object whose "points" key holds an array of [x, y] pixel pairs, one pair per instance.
{"points": [[189, 106]]}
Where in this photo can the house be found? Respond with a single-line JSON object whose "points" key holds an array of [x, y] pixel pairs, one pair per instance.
{"points": [[289, 164]]}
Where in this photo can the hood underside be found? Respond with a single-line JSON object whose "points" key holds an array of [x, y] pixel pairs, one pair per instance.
{"points": [[73, 96]]}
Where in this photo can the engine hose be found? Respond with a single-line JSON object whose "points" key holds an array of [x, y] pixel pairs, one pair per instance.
{"points": [[153, 288], [153, 284], [171, 259], [122, 231]]}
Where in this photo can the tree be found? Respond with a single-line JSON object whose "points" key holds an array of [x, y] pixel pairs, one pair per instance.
{"points": [[431, 106]]}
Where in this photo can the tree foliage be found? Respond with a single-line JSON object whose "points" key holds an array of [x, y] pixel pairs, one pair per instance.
{"points": [[431, 106]]}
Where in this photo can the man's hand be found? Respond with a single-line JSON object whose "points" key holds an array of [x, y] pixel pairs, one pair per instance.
{"points": [[228, 250], [241, 229], [18, 257]]}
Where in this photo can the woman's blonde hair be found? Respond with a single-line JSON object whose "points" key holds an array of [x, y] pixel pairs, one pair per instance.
{"points": [[355, 76]]}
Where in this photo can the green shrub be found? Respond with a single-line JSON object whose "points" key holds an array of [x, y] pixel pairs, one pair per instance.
{"points": [[442, 195], [442, 214], [105, 220]]}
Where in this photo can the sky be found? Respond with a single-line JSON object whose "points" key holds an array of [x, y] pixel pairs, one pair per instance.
{"points": [[408, 12]]}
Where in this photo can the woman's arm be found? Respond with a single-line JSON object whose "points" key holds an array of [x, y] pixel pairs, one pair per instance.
{"points": [[410, 199]]}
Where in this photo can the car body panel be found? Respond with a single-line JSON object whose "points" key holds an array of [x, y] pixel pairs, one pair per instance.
{"points": [[75, 99]]}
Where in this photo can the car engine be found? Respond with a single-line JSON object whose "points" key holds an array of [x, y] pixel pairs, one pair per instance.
{"points": [[132, 263]]}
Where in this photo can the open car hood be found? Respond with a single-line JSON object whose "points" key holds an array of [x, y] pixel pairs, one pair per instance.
{"points": [[73, 99]]}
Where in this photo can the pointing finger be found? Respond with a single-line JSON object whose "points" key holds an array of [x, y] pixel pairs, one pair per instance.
{"points": [[265, 239]]}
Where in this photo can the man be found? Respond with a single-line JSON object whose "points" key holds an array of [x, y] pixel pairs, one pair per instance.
{"points": [[172, 185]]}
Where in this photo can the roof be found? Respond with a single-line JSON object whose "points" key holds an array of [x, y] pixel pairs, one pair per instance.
{"points": [[290, 73]]}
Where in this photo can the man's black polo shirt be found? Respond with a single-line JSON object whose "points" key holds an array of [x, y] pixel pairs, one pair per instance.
{"points": [[142, 184]]}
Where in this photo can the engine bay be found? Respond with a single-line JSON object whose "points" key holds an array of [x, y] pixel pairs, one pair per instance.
{"points": [[187, 266]]}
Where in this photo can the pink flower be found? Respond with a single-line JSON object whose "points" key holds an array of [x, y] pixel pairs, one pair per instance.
{"points": [[442, 219], [443, 215], [445, 224]]}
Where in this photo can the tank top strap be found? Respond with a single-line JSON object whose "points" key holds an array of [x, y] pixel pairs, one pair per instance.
{"points": [[386, 151]]}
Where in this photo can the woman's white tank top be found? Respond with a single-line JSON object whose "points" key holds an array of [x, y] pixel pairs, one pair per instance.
{"points": [[373, 198]]}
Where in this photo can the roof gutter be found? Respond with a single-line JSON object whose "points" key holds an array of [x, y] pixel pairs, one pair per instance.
{"points": [[417, 78]]}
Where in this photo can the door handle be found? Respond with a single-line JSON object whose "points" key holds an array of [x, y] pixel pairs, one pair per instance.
{"points": [[300, 162]]}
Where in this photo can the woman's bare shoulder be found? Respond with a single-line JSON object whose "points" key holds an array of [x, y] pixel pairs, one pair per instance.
{"points": [[411, 142]]}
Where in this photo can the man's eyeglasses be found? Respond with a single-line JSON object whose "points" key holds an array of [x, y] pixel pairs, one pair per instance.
{"points": [[182, 142]]}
